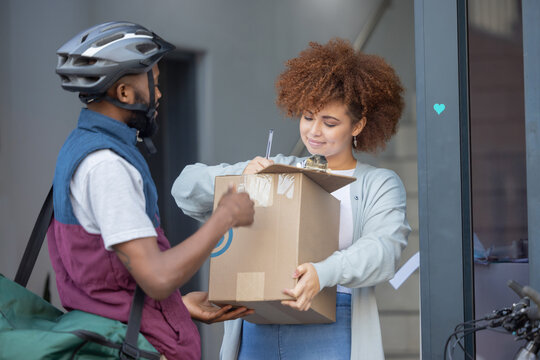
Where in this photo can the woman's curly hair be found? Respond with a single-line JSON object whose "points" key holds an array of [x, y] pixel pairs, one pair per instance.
{"points": [[366, 84]]}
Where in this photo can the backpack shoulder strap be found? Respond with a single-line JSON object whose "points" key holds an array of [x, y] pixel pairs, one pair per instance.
{"points": [[36, 241]]}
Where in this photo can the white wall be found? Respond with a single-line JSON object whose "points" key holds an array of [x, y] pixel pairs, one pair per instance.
{"points": [[243, 44]]}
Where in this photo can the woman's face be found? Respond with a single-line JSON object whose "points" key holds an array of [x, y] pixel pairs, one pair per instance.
{"points": [[329, 132]]}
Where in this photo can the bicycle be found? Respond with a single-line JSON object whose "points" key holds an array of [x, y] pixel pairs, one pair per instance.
{"points": [[522, 320]]}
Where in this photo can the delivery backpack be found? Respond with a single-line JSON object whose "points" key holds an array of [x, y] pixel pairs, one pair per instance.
{"points": [[31, 328]]}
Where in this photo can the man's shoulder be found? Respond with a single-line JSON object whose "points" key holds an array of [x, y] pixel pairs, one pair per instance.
{"points": [[97, 157], [82, 145], [78, 145], [107, 159], [102, 155]]}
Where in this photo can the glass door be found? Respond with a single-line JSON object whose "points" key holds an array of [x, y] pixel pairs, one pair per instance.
{"points": [[498, 163], [478, 113]]}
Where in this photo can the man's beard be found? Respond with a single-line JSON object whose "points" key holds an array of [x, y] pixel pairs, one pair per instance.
{"points": [[138, 120]]}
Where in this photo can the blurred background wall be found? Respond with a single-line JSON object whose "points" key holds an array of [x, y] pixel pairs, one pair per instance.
{"points": [[229, 53]]}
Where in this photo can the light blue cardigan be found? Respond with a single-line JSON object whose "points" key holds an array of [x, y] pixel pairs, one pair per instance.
{"points": [[380, 234]]}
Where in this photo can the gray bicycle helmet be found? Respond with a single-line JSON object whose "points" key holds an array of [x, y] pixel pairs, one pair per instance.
{"points": [[92, 61]]}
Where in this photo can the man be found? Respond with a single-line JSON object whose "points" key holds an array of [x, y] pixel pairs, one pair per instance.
{"points": [[105, 236]]}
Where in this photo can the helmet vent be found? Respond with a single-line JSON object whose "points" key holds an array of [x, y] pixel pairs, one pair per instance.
{"points": [[83, 61], [62, 59], [143, 32], [146, 47], [84, 38], [90, 79], [109, 39]]}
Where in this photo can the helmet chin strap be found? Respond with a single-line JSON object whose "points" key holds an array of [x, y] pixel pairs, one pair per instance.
{"points": [[150, 127], [151, 115]]}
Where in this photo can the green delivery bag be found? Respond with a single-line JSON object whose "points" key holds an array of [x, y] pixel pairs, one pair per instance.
{"points": [[31, 328]]}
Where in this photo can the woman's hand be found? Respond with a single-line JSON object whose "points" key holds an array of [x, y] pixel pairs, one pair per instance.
{"points": [[201, 309], [256, 165], [305, 290]]}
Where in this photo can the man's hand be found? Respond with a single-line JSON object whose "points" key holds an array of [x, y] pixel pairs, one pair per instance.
{"points": [[305, 290], [238, 206], [256, 165], [202, 310]]}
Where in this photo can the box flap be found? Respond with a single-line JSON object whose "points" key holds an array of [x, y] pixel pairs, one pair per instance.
{"points": [[328, 181]]}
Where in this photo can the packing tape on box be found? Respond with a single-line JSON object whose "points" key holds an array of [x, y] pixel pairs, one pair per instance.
{"points": [[250, 286], [286, 185], [259, 188]]}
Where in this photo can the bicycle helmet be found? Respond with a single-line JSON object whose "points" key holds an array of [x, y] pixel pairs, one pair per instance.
{"points": [[92, 61], [96, 58]]}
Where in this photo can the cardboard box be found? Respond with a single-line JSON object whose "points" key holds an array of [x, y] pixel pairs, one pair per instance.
{"points": [[296, 221]]}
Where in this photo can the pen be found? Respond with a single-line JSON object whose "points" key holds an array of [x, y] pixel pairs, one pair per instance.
{"points": [[269, 145]]}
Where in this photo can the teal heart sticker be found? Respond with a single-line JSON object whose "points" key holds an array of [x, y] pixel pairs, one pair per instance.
{"points": [[439, 108]]}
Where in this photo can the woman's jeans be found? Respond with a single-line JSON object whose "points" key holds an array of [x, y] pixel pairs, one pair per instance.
{"points": [[313, 341]]}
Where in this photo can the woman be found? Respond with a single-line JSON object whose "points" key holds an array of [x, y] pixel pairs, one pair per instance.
{"points": [[347, 102]]}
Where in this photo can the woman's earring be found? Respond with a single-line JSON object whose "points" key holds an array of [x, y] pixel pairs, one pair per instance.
{"points": [[355, 143]]}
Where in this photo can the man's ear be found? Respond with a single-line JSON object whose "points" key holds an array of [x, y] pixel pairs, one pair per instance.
{"points": [[124, 93], [359, 126]]}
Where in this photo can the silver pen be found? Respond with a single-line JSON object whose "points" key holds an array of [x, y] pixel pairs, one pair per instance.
{"points": [[269, 145]]}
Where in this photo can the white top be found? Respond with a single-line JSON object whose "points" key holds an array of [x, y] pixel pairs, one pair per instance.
{"points": [[345, 218], [107, 197]]}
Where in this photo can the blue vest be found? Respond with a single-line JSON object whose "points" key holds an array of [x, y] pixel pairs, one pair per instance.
{"points": [[95, 132], [89, 277]]}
